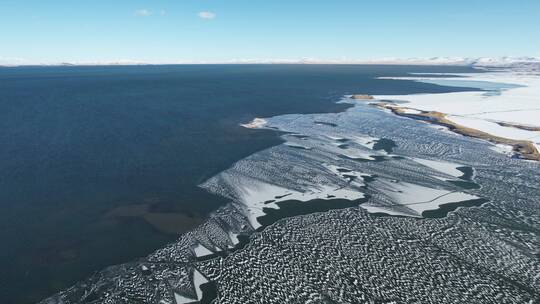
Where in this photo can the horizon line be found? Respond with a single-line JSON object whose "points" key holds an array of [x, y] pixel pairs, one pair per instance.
{"points": [[458, 61]]}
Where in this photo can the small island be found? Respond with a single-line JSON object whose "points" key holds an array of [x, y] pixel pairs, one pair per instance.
{"points": [[361, 96]]}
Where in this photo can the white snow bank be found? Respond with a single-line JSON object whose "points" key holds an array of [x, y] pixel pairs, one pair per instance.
{"points": [[201, 250], [494, 128], [513, 97], [417, 198], [441, 166], [255, 123]]}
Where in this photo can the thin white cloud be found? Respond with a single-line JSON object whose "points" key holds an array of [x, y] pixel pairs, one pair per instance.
{"points": [[142, 12], [163, 12], [207, 15]]}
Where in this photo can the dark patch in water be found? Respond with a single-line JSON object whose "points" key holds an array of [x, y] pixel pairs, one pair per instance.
{"points": [[299, 147], [369, 178], [465, 184], [282, 196], [444, 209], [209, 292], [326, 123], [295, 208], [468, 172], [378, 158], [385, 144], [382, 214]]}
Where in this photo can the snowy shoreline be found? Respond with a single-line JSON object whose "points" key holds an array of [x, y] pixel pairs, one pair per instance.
{"points": [[504, 110]]}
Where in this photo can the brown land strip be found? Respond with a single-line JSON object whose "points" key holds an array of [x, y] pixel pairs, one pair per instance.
{"points": [[361, 96], [524, 148], [517, 126]]}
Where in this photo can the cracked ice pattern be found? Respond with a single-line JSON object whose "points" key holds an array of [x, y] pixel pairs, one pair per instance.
{"points": [[486, 254]]}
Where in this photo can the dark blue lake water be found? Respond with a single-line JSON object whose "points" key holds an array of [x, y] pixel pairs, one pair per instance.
{"points": [[79, 144]]}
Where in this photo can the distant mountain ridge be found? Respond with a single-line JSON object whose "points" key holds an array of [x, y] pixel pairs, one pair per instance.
{"points": [[469, 61]]}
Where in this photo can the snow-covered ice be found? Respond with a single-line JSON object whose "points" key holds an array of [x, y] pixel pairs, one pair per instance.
{"points": [[200, 250], [255, 123], [503, 97], [441, 166], [416, 197]]}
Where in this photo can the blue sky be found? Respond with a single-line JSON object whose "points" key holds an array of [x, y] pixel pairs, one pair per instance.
{"points": [[221, 30]]}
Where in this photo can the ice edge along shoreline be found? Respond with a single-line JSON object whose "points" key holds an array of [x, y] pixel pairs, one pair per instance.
{"points": [[524, 148], [502, 111]]}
